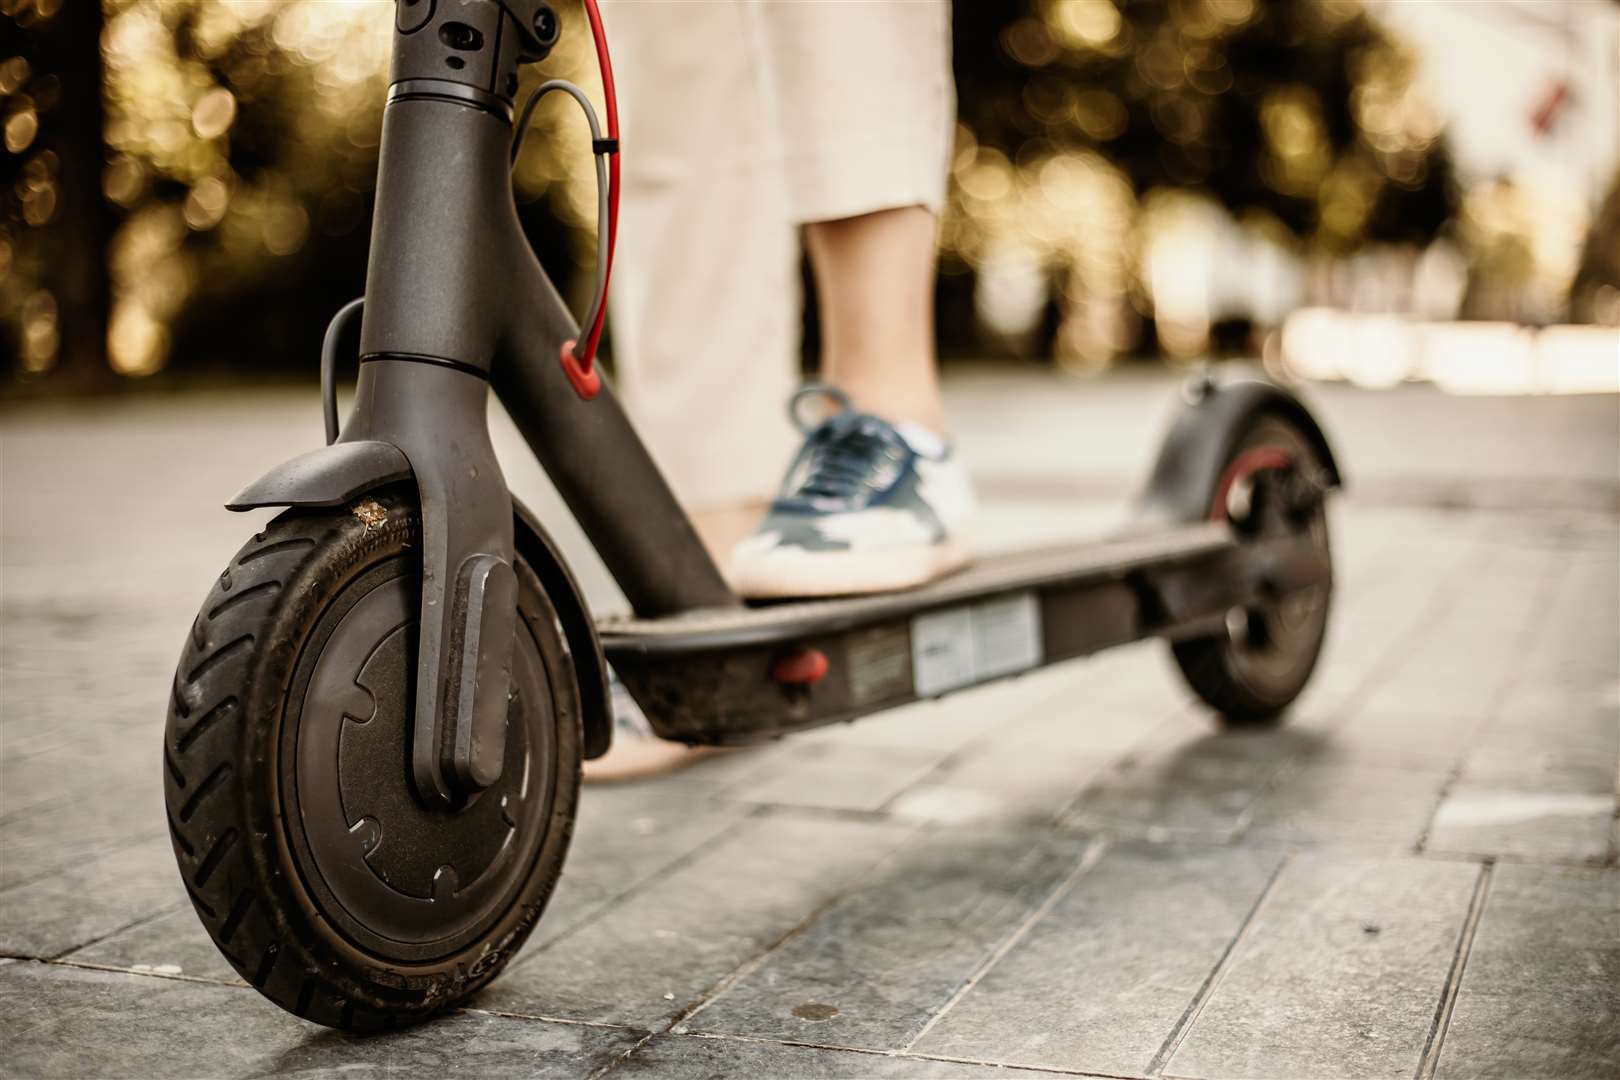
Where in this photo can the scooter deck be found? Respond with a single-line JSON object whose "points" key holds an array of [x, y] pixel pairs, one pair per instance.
{"points": [[738, 675], [781, 622]]}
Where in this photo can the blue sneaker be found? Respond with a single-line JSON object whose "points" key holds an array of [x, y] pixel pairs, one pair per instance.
{"points": [[867, 506]]}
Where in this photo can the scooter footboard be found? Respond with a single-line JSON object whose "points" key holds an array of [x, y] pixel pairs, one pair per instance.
{"points": [[731, 677]]}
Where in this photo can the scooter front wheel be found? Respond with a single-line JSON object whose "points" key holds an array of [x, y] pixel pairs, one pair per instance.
{"points": [[1269, 488], [311, 862]]}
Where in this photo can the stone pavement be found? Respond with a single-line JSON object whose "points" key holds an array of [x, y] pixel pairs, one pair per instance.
{"points": [[1073, 873]]}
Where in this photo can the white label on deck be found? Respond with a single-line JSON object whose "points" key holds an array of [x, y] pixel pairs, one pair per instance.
{"points": [[965, 645]]}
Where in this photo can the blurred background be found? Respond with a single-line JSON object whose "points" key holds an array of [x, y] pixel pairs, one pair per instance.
{"points": [[1375, 191], [1410, 204]]}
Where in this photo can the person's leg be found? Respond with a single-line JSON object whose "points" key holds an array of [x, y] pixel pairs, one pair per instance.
{"points": [[875, 292], [876, 498], [705, 307], [867, 109]]}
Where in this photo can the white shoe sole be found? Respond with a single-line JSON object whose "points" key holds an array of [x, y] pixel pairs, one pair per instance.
{"points": [[789, 573]]}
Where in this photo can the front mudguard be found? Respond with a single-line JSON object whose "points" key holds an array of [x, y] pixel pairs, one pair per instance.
{"points": [[336, 475], [331, 476], [1204, 437]]}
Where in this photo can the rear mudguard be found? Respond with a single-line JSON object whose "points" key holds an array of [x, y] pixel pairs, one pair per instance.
{"points": [[336, 475], [1203, 438]]}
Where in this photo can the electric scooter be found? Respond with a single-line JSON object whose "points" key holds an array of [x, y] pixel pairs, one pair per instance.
{"points": [[372, 755]]}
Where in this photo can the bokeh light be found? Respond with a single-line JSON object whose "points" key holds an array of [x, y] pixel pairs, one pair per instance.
{"points": [[1113, 163]]}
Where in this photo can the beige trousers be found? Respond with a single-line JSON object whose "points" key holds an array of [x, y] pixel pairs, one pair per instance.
{"points": [[742, 120]]}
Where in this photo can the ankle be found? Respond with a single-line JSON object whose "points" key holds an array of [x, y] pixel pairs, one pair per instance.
{"points": [[898, 404]]}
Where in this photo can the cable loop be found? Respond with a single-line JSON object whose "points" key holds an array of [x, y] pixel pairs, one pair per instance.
{"points": [[603, 232]]}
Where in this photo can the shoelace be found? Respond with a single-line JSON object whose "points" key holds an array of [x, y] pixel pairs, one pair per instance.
{"points": [[843, 456]]}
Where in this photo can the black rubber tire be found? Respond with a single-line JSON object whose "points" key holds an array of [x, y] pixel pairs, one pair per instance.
{"points": [[222, 749], [1211, 665]]}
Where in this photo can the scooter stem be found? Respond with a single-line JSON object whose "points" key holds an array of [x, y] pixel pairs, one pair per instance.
{"points": [[454, 298], [428, 341]]}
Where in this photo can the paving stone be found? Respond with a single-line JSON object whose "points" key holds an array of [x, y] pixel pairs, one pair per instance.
{"points": [[68, 1022], [1389, 739], [1519, 948], [833, 776], [53, 915], [1428, 600], [1006, 784], [1108, 727], [689, 1057], [1538, 997], [1552, 824], [1525, 761], [1534, 1036], [995, 712], [1442, 690], [1339, 975], [88, 765], [626, 834], [1377, 808], [873, 969], [711, 774], [662, 950], [1585, 719], [85, 825], [1198, 784], [171, 944], [1102, 980]]}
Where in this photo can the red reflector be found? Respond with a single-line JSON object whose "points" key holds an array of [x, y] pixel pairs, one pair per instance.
{"points": [[582, 375], [800, 667]]}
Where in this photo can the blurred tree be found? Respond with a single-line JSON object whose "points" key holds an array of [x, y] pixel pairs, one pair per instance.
{"points": [[217, 208], [55, 227], [1595, 293], [238, 149], [1302, 109], [1098, 135]]}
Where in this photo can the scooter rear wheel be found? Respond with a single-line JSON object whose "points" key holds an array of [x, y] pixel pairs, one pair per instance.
{"points": [[1255, 669], [319, 874]]}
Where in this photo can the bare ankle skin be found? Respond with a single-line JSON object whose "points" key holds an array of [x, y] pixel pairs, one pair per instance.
{"points": [[875, 286], [722, 528]]}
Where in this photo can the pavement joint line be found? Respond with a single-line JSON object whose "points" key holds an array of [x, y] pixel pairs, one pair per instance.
{"points": [[142, 920], [1092, 855], [620, 1059], [540, 1018], [1515, 859], [1217, 973], [902, 1055], [113, 969], [1552, 575], [1442, 601], [1444, 598], [748, 967], [1052, 1069], [110, 847], [1459, 963], [614, 901]]}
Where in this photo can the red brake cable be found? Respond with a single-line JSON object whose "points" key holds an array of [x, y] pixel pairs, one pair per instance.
{"points": [[579, 357]]}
